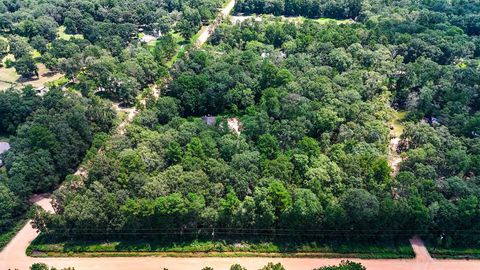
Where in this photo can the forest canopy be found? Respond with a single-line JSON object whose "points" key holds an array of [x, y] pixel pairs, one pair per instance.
{"points": [[314, 101], [277, 128]]}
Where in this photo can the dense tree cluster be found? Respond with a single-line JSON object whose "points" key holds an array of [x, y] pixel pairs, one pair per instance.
{"points": [[15, 107], [97, 42], [337, 9], [312, 100], [50, 136], [101, 20], [313, 103], [311, 155]]}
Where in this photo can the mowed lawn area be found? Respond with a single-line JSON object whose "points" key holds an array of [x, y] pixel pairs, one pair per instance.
{"points": [[9, 78], [62, 35], [43, 247]]}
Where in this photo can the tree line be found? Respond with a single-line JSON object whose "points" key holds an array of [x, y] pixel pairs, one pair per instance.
{"points": [[344, 9]]}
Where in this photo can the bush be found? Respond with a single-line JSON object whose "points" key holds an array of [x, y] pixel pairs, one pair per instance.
{"points": [[344, 265], [42, 266], [9, 63], [39, 266], [271, 266], [237, 267]]}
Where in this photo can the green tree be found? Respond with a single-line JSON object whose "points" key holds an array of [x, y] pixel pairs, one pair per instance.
{"points": [[361, 207], [26, 66], [9, 204], [344, 265], [237, 267], [271, 266], [167, 109], [39, 266], [268, 146]]}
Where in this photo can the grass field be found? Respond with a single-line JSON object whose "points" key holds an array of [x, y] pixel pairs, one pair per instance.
{"points": [[62, 35], [397, 122], [8, 78], [454, 252], [220, 249]]}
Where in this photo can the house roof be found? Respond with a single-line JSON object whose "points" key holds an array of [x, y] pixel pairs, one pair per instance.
{"points": [[209, 120], [148, 38], [4, 146]]}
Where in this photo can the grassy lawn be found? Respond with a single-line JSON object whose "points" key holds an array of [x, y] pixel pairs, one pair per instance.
{"points": [[454, 252], [45, 77], [9, 77], [58, 82], [320, 20], [397, 122], [220, 248], [328, 20], [62, 35]]}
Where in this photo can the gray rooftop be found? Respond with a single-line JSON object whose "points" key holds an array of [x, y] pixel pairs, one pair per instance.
{"points": [[209, 120], [4, 146]]}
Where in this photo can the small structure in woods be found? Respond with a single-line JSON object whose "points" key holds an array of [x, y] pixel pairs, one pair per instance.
{"points": [[4, 146], [209, 120], [232, 123]]}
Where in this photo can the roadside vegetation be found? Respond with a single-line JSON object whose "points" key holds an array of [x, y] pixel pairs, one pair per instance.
{"points": [[7, 234], [344, 265], [228, 248]]}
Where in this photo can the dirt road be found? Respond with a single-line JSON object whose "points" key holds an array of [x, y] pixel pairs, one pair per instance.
{"points": [[394, 158], [208, 31]]}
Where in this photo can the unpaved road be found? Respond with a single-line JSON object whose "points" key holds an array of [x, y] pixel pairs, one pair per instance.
{"points": [[13, 257], [208, 31], [394, 158]]}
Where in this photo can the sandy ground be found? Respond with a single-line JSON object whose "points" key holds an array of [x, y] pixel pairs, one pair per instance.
{"points": [[394, 158], [9, 77]]}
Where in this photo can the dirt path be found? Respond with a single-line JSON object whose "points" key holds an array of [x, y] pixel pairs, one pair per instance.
{"points": [[421, 252], [208, 31], [394, 159], [396, 130]]}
